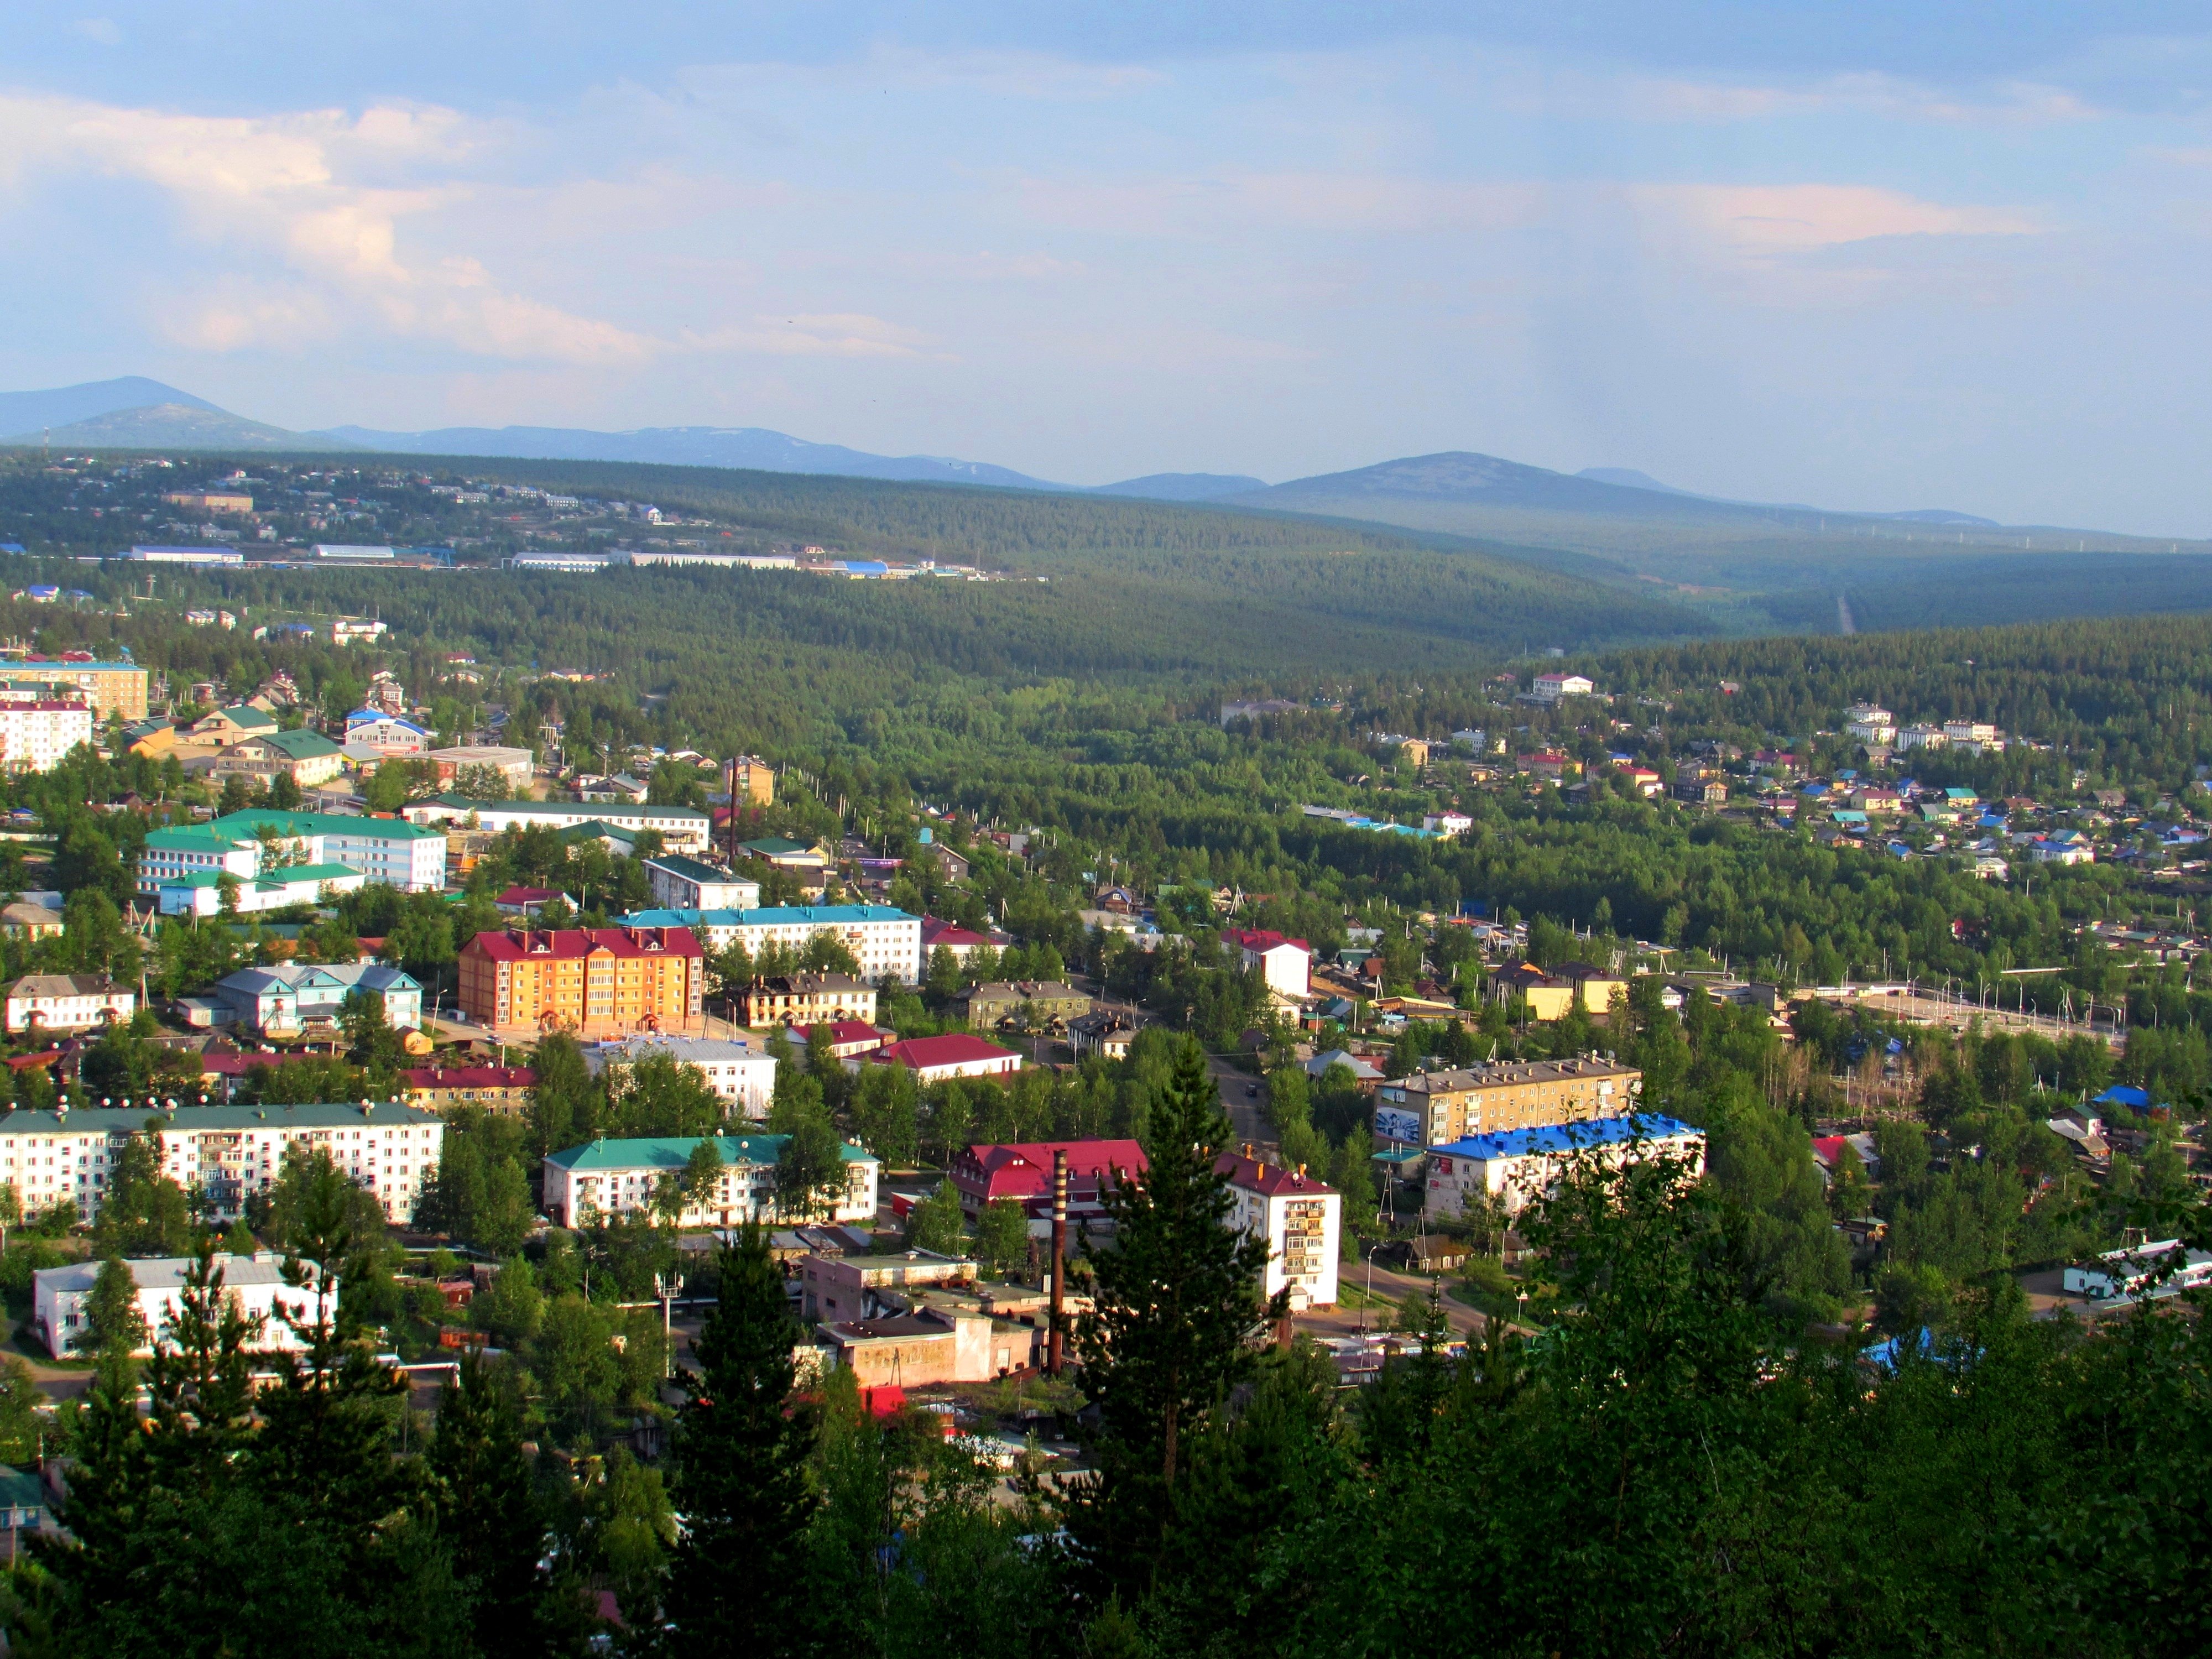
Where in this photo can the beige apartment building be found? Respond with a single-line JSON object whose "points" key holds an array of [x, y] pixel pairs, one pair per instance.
{"points": [[1433, 1109]]}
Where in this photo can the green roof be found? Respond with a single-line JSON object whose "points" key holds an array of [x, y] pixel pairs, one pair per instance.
{"points": [[246, 825], [774, 847], [556, 808], [247, 717], [593, 829], [672, 1152], [193, 838], [301, 744]]}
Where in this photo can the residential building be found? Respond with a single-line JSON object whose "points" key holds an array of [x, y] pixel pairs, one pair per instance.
{"points": [[679, 883], [1551, 688], [301, 996], [929, 1346], [112, 688], [1287, 963], [607, 1180], [502, 1090], [848, 1039], [517, 766], [940, 1058], [1922, 737], [795, 856], [1363, 1070], [806, 1001], [742, 1074], [34, 915], [1051, 1004], [1976, 731], [1302, 1219], [1448, 824], [230, 1153], [751, 780], [1512, 1168], [307, 757], [36, 732], [1594, 987], [1549, 764], [1102, 1032], [230, 724], [1431, 1109], [210, 500], [2067, 847], [938, 935], [881, 939], [682, 829], [253, 1284], [1870, 722], [1021, 1173], [596, 981], [1548, 996], [151, 738], [348, 630], [386, 733], [67, 1002], [2164, 1267]]}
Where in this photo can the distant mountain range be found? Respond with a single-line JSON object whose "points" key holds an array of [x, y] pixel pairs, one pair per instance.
{"points": [[1455, 490]]}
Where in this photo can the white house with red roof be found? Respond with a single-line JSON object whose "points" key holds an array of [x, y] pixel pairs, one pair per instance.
{"points": [[1302, 1218], [1022, 1172], [1287, 963], [951, 935], [851, 1038], [940, 1059]]}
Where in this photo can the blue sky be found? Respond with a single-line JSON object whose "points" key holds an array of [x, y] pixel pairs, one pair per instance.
{"points": [[1872, 256]]}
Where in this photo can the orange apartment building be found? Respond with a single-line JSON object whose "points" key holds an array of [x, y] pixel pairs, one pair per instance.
{"points": [[594, 982]]}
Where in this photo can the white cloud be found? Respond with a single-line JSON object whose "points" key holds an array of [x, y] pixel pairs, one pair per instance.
{"points": [[833, 335], [101, 31], [1767, 220]]}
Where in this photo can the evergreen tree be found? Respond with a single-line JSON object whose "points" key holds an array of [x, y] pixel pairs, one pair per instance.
{"points": [[1178, 1305], [735, 1581], [144, 1214], [488, 1510], [112, 1319]]}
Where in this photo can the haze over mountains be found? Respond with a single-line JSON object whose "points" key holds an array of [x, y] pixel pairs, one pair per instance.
{"points": [[1456, 492]]}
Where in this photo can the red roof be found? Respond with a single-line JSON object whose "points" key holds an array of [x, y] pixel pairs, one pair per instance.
{"points": [[935, 932], [470, 1077], [514, 945], [959, 1049], [529, 894], [1256, 1175], [1023, 1170], [1259, 939]]}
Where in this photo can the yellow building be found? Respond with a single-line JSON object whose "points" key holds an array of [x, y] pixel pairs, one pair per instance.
{"points": [[1435, 1108], [807, 1000], [210, 500], [752, 779], [596, 981], [112, 688]]}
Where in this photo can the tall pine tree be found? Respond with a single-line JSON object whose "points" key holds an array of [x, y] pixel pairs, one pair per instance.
{"points": [[735, 1584], [1178, 1304]]}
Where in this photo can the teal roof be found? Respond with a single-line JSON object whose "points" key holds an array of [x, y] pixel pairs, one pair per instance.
{"points": [[247, 825], [672, 1152], [593, 829], [689, 868], [245, 715], [288, 874], [769, 915], [301, 744], [194, 838], [776, 846], [120, 1120]]}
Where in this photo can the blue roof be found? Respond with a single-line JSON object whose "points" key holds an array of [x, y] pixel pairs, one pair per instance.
{"points": [[772, 915], [866, 567], [2125, 1094], [1566, 1137]]}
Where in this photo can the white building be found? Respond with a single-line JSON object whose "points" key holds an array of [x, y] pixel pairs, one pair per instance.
{"points": [[682, 829], [185, 555], [35, 734], [344, 630], [1551, 688], [941, 1059], [605, 1179], [883, 940], [1287, 964], [1301, 1218], [409, 856], [1515, 1167], [67, 1002], [386, 733], [1971, 731], [254, 1285], [515, 765], [741, 1074], [1869, 722], [1922, 737], [230, 1153], [2151, 1267], [684, 883], [1448, 824]]}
